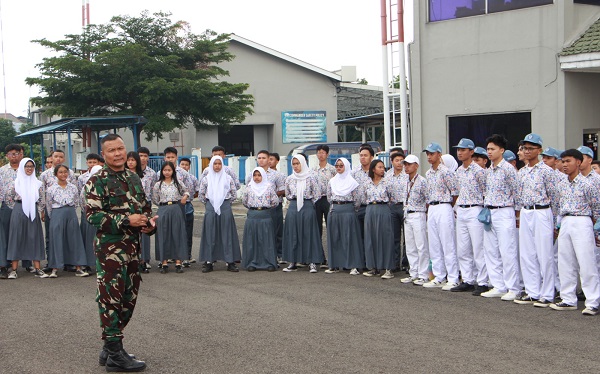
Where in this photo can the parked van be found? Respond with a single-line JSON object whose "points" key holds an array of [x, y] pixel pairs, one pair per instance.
{"points": [[335, 149]]}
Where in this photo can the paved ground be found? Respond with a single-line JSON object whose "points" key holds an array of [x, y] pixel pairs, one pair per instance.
{"points": [[299, 322]]}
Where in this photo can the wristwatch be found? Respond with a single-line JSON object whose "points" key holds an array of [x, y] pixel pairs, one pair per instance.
{"points": [[125, 222]]}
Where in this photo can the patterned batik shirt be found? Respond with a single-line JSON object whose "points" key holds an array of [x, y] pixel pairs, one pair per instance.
{"points": [[398, 184], [380, 192], [7, 179], [111, 196], [231, 195], [148, 181], [441, 185], [537, 186], [229, 171], [501, 185], [471, 184], [12, 196], [362, 177], [352, 196], [416, 195], [311, 192], [48, 178], [578, 198], [268, 199], [324, 175], [164, 192], [58, 197]]}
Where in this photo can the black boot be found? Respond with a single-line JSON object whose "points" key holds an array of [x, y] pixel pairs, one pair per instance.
{"points": [[104, 355], [120, 361]]}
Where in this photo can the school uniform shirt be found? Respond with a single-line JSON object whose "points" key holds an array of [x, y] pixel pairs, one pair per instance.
{"points": [[311, 192], [378, 193], [441, 184], [362, 177], [416, 194], [48, 178], [501, 185], [229, 172], [537, 186], [163, 192], [148, 181], [352, 196], [324, 174], [185, 181], [268, 199], [579, 197], [58, 197], [12, 196], [231, 194], [399, 183], [471, 184], [7, 179]]}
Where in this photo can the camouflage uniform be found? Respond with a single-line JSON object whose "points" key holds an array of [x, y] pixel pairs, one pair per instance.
{"points": [[111, 196]]}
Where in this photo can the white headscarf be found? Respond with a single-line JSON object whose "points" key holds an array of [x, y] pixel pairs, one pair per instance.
{"points": [[259, 188], [343, 184], [450, 162], [95, 169], [218, 185], [28, 187], [300, 180]]}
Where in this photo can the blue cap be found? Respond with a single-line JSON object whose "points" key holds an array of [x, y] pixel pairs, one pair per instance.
{"points": [[509, 155], [465, 143], [586, 151], [479, 151], [534, 139], [551, 152], [433, 147], [558, 153]]}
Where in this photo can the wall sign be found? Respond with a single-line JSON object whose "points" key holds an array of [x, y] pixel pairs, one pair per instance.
{"points": [[304, 126]]}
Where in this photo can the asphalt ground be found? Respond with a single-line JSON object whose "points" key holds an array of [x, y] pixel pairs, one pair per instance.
{"points": [[262, 322]]}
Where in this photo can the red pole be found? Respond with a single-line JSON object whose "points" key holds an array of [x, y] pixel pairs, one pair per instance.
{"points": [[400, 21], [384, 38]]}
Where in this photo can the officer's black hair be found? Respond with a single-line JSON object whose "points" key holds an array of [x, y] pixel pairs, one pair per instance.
{"points": [[161, 177], [57, 169], [498, 140], [170, 150], [107, 138], [144, 150], [93, 156], [572, 153], [138, 163], [323, 147], [218, 148], [14, 147], [372, 168], [274, 154]]}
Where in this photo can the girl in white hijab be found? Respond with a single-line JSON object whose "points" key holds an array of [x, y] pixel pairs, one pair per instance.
{"points": [[301, 238], [26, 199], [345, 247], [450, 162], [259, 236], [219, 235]]}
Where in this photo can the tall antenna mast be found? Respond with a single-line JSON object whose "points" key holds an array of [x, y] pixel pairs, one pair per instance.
{"points": [[85, 13]]}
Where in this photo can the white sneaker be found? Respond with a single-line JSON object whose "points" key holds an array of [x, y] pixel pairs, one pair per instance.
{"points": [[419, 282], [312, 268], [408, 280], [354, 272], [590, 311], [291, 267], [509, 296], [54, 274], [387, 275], [494, 292], [449, 286], [331, 271], [81, 273], [12, 275], [434, 284]]}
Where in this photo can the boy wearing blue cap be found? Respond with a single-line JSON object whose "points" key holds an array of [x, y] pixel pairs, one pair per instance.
{"points": [[480, 157], [470, 179], [442, 193], [536, 196]]}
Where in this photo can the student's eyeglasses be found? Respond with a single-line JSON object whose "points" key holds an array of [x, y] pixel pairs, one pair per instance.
{"points": [[339, 166], [530, 149]]}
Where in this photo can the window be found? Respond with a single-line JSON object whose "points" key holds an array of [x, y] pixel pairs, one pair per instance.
{"points": [[440, 10], [591, 2]]}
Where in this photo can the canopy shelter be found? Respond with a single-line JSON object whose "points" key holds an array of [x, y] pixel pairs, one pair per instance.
{"points": [[366, 122], [85, 126]]}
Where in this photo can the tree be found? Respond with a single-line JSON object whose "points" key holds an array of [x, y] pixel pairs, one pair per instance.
{"points": [[362, 81], [7, 133], [147, 65]]}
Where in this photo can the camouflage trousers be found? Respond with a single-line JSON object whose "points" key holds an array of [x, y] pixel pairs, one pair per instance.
{"points": [[118, 281]]}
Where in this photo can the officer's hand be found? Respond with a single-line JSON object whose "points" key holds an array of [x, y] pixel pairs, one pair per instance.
{"points": [[184, 199], [138, 220], [152, 224]]}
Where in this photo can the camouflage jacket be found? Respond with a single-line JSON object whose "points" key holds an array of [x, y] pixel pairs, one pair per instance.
{"points": [[111, 196]]}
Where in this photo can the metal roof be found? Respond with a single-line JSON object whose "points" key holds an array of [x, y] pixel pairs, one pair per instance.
{"points": [[96, 123]]}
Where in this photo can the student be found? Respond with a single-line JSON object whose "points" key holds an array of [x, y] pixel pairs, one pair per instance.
{"points": [[361, 175], [273, 160], [148, 181], [345, 248], [184, 177], [26, 198], [480, 157], [301, 241], [398, 179], [48, 164], [510, 157], [134, 163], [499, 243], [259, 239], [537, 197], [66, 244], [220, 151], [169, 195], [185, 163], [379, 235], [579, 204], [441, 196], [325, 171], [596, 166], [470, 178], [415, 224], [219, 234]]}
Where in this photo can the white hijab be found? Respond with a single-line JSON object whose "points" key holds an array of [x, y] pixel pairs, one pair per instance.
{"points": [[95, 169], [218, 185], [259, 188], [450, 162], [28, 187], [300, 180], [342, 184]]}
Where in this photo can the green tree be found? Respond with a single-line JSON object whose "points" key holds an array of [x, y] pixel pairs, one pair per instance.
{"points": [[7, 133], [146, 65], [362, 81]]}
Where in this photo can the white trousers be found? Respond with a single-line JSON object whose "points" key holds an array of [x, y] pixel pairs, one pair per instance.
{"points": [[577, 249], [417, 250], [500, 249], [536, 236], [469, 246], [442, 242]]}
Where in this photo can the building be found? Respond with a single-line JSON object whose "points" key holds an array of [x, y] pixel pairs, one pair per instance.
{"points": [[495, 66]]}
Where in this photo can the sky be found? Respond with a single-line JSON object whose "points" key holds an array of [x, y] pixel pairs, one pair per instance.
{"points": [[325, 33]]}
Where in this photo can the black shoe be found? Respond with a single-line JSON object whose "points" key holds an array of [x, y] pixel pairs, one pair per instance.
{"points": [[186, 264], [104, 355], [231, 267], [271, 269], [47, 270], [178, 269], [207, 267], [479, 290], [164, 269], [251, 268], [580, 296], [463, 287], [3, 273], [120, 361]]}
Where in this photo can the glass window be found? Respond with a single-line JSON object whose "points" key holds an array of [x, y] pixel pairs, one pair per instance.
{"points": [[591, 2], [440, 10], [503, 5]]}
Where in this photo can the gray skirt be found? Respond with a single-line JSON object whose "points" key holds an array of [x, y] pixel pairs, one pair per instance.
{"points": [[25, 238], [259, 240], [88, 235], [66, 245], [379, 237], [220, 240], [344, 244], [5, 213], [301, 238], [145, 248], [171, 239]]}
